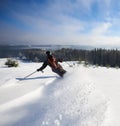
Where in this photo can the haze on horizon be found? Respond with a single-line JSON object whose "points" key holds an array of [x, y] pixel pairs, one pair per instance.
{"points": [[82, 22]]}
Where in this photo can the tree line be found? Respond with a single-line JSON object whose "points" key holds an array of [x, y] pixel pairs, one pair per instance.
{"points": [[100, 57], [97, 56]]}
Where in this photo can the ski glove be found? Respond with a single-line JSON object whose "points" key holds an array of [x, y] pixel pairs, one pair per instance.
{"points": [[38, 69]]}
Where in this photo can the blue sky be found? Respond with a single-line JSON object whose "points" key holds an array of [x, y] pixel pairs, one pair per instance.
{"points": [[83, 22]]}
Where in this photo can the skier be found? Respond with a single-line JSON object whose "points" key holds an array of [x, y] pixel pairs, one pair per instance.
{"points": [[53, 63]]}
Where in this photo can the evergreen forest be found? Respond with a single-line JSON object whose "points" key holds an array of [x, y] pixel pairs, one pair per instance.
{"points": [[97, 56]]}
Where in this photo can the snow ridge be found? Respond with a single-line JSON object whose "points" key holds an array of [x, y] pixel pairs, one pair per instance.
{"points": [[70, 104]]}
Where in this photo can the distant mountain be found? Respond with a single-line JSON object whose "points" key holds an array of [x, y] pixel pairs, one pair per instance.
{"points": [[46, 46], [14, 50]]}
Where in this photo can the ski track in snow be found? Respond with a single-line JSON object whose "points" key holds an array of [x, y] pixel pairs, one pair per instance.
{"points": [[51, 100]]}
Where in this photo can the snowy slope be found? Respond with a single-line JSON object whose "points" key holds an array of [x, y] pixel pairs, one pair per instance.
{"points": [[84, 97]]}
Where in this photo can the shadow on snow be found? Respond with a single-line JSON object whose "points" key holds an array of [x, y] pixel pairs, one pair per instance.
{"points": [[34, 78]]}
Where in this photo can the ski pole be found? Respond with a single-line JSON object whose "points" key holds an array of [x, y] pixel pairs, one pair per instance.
{"points": [[29, 75]]}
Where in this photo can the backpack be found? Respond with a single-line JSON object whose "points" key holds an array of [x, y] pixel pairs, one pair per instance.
{"points": [[53, 62]]}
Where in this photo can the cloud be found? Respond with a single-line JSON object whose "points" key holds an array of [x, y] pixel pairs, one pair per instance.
{"points": [[101, 29], [87, 22]]}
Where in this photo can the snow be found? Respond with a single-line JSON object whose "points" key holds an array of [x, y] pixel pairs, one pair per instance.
{"points": [[86, 96]]}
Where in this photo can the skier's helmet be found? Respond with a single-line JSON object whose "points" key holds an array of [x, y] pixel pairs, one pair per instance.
{"points": [[48, 52]]}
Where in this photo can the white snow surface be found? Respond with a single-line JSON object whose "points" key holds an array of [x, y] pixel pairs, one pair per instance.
{"points": [[86, 96]]}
